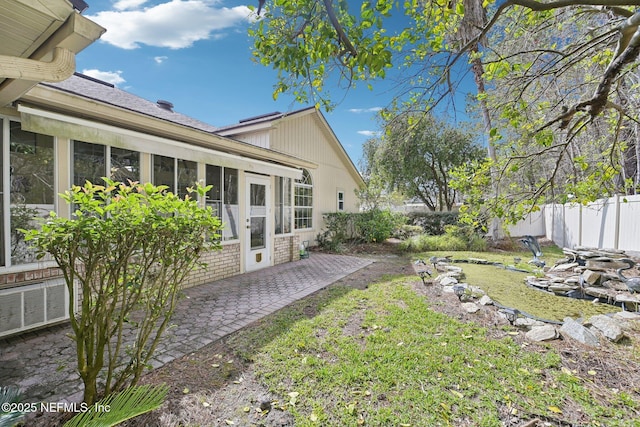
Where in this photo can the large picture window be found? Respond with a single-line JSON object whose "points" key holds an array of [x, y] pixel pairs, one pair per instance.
{"points": [[283, 205], [31, 186], [177, 174], [303, 205], [90, 163], [223, 198], [125, 165]]}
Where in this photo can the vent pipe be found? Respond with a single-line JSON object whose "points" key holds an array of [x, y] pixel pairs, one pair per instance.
{"points": [[165, 105]]}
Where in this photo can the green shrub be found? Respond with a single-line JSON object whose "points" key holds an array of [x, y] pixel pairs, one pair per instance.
{"points": [[405, 231], [377, 225], [128, 249], [433, 223], [455, 239], [371, 226]]}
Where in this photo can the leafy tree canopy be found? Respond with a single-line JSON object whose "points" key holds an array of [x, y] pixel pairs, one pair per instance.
{"points": [[559, 101], [416, 156]]}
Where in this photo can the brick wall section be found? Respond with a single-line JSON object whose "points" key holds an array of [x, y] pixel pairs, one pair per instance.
{"points": [[26, 277], [221, 264], [286, 249]]}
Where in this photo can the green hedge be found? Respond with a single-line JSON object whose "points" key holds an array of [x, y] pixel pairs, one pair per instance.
{"points": [[433, 223]]}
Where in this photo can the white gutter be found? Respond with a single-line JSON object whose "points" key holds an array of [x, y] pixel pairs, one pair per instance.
{"points": [[60, 68]]}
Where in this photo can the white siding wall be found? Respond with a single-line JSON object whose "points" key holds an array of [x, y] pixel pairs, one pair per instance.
{"points": [[307, 138]]}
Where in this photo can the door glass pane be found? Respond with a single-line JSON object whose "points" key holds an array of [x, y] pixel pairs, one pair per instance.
{"points": [[257, 232], [257, 202], [32, 191], [283, 205], [257, 212]]}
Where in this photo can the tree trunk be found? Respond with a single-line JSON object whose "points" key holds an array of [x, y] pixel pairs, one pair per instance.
{"points": [[478, 71]]}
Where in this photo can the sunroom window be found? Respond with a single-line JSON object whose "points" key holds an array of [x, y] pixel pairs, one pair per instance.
{"points": [[177, 174], [223, 198], [31, 186]]}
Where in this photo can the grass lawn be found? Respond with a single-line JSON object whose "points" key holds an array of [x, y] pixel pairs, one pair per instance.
{"points": [[382, 357]]}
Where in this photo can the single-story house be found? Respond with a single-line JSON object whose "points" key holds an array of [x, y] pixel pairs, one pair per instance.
{"points": [[273, 176]]}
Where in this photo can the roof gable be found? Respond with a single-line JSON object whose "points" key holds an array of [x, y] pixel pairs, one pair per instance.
{"points": [[266, 122]]}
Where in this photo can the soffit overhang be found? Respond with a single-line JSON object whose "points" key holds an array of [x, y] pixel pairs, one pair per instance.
{"points": [[39, 41]]}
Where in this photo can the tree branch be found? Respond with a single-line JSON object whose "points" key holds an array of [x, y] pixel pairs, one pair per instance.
{"points": [[342, 36]]}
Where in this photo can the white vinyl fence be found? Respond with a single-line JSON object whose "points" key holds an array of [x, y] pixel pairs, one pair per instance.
{"points": [[607, 223]]}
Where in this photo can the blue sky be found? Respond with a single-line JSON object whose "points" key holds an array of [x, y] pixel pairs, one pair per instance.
{"points": [[196, 54]]}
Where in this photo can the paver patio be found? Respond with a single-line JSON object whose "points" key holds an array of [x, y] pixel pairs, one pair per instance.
{"points": [[42, 363]]}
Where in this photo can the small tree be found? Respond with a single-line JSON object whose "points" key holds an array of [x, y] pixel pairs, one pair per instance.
{"points": [[129, 249], [417, 155]]}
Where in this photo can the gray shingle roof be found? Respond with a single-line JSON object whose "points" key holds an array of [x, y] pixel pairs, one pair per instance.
{"points": [[91, 88]]}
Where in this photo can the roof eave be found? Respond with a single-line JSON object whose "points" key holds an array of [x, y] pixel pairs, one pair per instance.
{"points": [[64, 102]]}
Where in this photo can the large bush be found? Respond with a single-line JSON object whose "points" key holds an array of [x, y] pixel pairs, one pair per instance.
{"points": [[371, 226], [433, 223], [377, 225], [128, 249], [455, 238]]}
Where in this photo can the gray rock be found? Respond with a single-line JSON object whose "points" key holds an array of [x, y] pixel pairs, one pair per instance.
{"points": [[542, 333], [564, 267], [597, 264], [626, 315], [607, 326], [470, 307], [605, 294], [561, 288], [448, 281], [486, 300], [526, 322], [591, 277], [572, 329]]}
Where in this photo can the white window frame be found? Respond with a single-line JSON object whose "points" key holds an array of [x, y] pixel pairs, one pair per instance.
{"points": [[340, 201], [305, 183]]}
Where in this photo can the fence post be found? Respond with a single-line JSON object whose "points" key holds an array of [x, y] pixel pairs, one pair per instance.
{"points": [[580, 225], [616, 237]]}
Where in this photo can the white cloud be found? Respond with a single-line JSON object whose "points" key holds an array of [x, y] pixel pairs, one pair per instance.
{"points": [[160, 59], [113, 77], [365, 110], [370, 132], [128, 4], [175, 24]]}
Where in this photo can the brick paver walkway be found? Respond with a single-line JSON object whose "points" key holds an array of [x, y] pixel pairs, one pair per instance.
{"points": [[42, 363]]}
